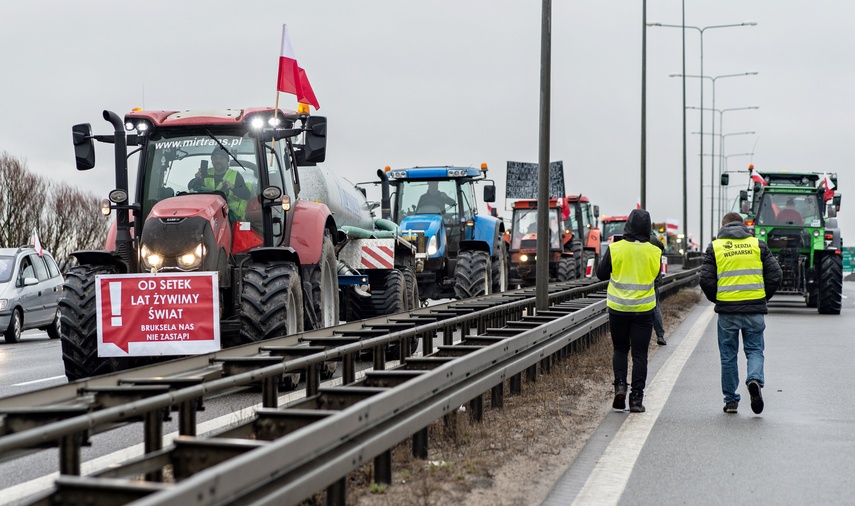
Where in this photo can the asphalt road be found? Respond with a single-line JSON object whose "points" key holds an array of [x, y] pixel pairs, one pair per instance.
{"points": [[685, 450]]}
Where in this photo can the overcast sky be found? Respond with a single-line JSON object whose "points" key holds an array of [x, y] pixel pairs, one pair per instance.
{"points": [[452, 83]]}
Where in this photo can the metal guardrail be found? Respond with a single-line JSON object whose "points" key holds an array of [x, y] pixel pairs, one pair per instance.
{"points": [[312, 443]]}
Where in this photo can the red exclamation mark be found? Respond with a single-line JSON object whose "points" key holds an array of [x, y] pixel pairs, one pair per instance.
{"points": [[116, 304]]}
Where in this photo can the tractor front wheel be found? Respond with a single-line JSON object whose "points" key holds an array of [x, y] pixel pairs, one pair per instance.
{"points": [[472, 274], [79, 325], [566, 269], [831, 284]]}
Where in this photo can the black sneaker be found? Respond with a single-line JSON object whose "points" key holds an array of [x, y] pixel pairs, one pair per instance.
{"points": [[756, 397], [731, 407], [620, 396], [660, 340]]}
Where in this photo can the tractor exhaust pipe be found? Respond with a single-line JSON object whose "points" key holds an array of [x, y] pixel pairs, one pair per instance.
{"points": [[385, 197], [124, 241]]}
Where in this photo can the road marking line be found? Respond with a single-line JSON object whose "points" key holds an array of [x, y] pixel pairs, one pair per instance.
{"points": [[38, 381], [609, 477]]}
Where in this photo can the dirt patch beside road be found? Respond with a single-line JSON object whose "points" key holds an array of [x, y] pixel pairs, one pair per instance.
{"points": [[515, 455]]}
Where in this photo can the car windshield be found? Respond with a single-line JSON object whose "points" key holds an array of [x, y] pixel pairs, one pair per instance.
{"points": [[7, 265], [172, 161]]}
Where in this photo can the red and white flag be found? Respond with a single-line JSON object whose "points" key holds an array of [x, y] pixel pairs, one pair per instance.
{"points": [[672, 225], [757, 178], [564, 204], [638, 203], [292, 78], [37, 245], [829, 187]]}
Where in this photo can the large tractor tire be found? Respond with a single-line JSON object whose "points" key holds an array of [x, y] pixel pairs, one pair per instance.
{"points": [[576, 249], [472, 275], [388, 296], [831, 284], [412, 289], [566, 269], [79, 324], [271, 303], [588, 255], [500, 265], [324, 281]]}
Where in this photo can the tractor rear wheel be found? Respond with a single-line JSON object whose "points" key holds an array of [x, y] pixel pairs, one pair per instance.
{"points": [[566, 269], [831, 284], [576, 249], [499, 264], [79, 325], [472, 274], [271, 304], [388, 296], [412, 290], [587, 256], [324, 285]]}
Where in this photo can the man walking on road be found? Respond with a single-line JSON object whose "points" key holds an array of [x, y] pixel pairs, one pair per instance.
{"points": [[739, 275], [631, 266]]}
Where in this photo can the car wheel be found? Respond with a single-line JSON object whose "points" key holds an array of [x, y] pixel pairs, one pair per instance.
{"points": [[53, 329], [13, 333]]}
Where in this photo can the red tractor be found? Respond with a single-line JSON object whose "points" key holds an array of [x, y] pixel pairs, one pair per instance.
{"points": [[571, 249], [612, 226], [274, 253]]}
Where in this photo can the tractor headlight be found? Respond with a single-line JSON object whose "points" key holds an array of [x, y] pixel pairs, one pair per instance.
{"points": [[523, 258], [762, 231], [150, 259], [432, 246], [192, 259], [816, 233]]}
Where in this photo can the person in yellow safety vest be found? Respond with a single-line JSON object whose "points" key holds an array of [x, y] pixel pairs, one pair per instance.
{"points": [[739, 275], [224, 179], [631, 265]]}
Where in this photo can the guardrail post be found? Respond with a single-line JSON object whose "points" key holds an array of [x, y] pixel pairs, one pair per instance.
{"points": [[497, 395], [427, 343], [270, 392], [187, 418], [448, 335], [348, 369], [69, 454], [531, 373], [153, 441], [516, 384], [383, 468], [420, 444], [476, 408], [546, 365], [337, 493], [379, 357], [313, 379]]}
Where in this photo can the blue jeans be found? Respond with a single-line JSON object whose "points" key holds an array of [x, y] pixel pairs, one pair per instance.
{"points": [[752, 327]]}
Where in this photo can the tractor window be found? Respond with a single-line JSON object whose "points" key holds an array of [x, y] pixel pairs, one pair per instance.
{"points": [[524, 227], [173, 161], [467, 195], [427, 197], [789, 210], [611, 228]]}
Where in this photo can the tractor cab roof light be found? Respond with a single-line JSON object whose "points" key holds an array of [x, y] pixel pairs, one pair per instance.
{"points": [[303, 108], [257, 123]]}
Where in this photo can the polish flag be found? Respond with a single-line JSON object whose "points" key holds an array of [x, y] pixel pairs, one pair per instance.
{"points": [[37, 245], [638, 203], [672, 225], [829, 187], [565, 208], [292, 78], [490, 209], [757, 178]]}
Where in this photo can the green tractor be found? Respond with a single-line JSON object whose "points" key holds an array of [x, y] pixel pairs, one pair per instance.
{"points": [[795, 214]]}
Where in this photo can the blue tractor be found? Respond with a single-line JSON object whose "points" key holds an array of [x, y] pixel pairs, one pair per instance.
{"points": [[464, 253]]}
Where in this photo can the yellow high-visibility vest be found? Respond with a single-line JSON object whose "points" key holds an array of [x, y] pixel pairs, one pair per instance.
{"points": [[635, 266], [236, 205], [739, 269]]}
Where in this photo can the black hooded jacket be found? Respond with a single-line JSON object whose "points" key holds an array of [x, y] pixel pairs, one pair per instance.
{"points": [[637, 229], [709, 274]]}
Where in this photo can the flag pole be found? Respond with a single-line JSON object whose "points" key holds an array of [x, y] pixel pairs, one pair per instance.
{"points": [[275, 117]]}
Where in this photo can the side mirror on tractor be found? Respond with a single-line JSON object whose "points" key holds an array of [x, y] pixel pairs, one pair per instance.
{"points": [[596, 211], [725, 179], [84, 146], [316, 139], [490, 193]]}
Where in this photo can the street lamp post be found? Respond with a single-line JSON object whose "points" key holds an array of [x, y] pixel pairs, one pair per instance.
{"points": [[722, 205], [700, 31], [720, 128], [712, 160]]}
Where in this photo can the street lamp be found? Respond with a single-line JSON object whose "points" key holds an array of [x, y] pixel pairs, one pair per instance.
{"points": [[702, 109], [720, 128], [700, 31]]}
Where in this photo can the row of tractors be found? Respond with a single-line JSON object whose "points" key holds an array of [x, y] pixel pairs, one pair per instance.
{"points": [[305, 251], [795, 214]]}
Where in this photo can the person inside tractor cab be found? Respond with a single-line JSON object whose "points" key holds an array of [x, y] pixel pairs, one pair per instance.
{"points": [[789, 215], [434, 201], [224, 179]]}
